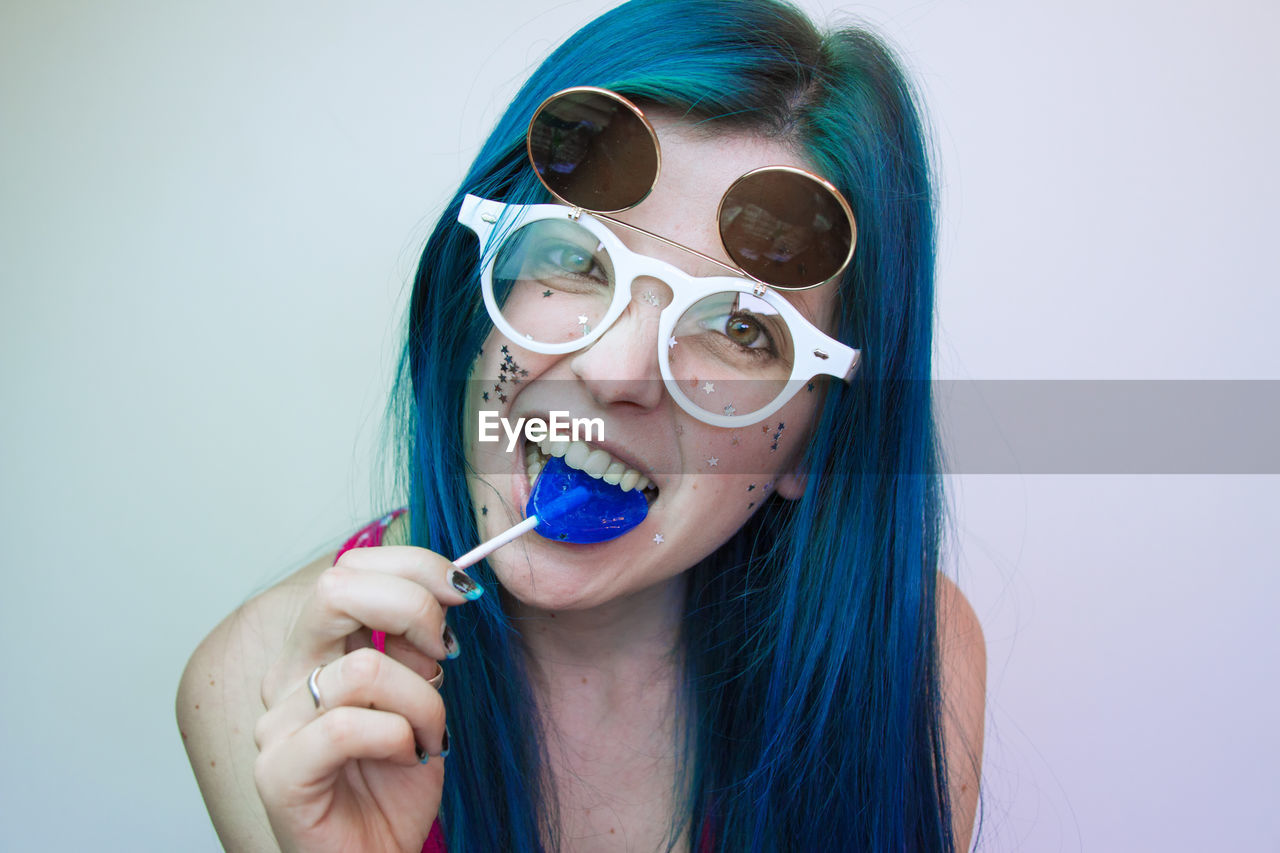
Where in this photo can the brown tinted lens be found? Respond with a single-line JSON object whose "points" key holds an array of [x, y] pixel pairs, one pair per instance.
{"points": [[593, 150], [786, 228]]}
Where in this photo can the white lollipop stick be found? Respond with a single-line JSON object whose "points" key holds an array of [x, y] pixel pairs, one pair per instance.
{"points": [[567, 502]]}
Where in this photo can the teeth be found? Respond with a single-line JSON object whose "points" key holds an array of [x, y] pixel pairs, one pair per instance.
{"points": [[597, 463], [577, 455], [591, 461]]}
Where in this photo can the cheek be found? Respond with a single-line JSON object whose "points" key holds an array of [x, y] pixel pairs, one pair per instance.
{"points": [[748, 462], [497, 374], [499, 371]]}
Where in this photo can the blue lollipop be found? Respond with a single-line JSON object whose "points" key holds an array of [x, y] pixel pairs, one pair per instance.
{"points": [[605, 513], [568, 505]]}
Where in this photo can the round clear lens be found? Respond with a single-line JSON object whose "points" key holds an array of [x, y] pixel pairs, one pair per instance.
{"points": [[593, 149], [731, 354], [786, 227], [553, 281]]}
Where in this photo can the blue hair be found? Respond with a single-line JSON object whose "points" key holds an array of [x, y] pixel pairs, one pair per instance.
{"points": [[811, 698]]}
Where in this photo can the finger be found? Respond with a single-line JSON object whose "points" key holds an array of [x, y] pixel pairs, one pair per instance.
{"points": [[291, 772], [451, 585], [362, 679], [400, 649], [346, 600]]}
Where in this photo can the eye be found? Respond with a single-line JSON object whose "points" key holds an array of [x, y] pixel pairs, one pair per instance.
{"points": [[570, 258], [744, 330]]}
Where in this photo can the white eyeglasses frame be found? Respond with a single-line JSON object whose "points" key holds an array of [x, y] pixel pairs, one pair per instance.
{"points": [[816, 353]]}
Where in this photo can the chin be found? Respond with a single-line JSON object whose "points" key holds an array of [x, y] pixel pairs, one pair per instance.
{"points": [[549, 586]]}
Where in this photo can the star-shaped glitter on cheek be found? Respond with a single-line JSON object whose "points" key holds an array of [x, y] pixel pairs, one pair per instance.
{"points": [[729, 410], [485, 395], [671, 342], [657, 539], [650, 298], [504, 349], [708, 387], [751, 488], [809, 387], [484, 510], [582, 319], [546, 293], [713, 461]]}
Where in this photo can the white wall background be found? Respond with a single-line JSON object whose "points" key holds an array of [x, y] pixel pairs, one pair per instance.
{"points": [[208, 213]]}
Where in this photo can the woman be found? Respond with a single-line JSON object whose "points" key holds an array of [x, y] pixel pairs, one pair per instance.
{"points": [[767, 658]]}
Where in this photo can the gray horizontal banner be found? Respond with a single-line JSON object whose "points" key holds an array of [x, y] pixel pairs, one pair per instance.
{"points": [[986, 426], [1110, 426]]}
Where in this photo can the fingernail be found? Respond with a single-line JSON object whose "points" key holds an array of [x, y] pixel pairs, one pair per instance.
{"points": [[465, 585], [444, 743], [451, 648], [423, 757]]}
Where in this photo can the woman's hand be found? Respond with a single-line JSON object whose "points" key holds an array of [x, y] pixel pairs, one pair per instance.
{"points": [[347, 772]]}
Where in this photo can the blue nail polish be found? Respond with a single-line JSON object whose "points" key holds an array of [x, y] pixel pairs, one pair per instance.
{"points": [[444, 743]]}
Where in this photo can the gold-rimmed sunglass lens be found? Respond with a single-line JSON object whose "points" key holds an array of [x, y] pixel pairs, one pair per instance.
{"points": [[787, 227], [593, 149], [781, 225]]}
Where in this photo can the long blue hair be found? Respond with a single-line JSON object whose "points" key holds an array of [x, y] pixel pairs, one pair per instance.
{"points": [[811, 693]]}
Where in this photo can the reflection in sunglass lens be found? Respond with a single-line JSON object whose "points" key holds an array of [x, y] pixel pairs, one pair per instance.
{"points": [[593, 150], [786, 228]]}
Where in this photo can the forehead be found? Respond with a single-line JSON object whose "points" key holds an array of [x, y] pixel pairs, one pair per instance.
{"points": [[699, 164]]}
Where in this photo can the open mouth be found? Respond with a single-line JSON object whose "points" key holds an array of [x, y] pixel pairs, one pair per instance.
{"points": [[592, 461]]}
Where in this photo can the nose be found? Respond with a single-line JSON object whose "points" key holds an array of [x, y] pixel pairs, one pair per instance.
{"points": [[621, 367]]}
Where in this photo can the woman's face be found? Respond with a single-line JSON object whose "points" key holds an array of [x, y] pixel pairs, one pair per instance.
{"points": [[708, 480]]}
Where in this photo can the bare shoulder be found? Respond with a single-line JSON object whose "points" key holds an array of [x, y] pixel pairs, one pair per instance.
{"points": [[220, 699], [963, 651]]}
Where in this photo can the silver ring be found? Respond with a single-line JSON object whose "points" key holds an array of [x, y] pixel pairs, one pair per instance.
{"points": [[437, 680], [313, 684]]}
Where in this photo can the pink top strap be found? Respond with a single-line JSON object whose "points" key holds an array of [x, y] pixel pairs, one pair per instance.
{"points": [[370, 536]]}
